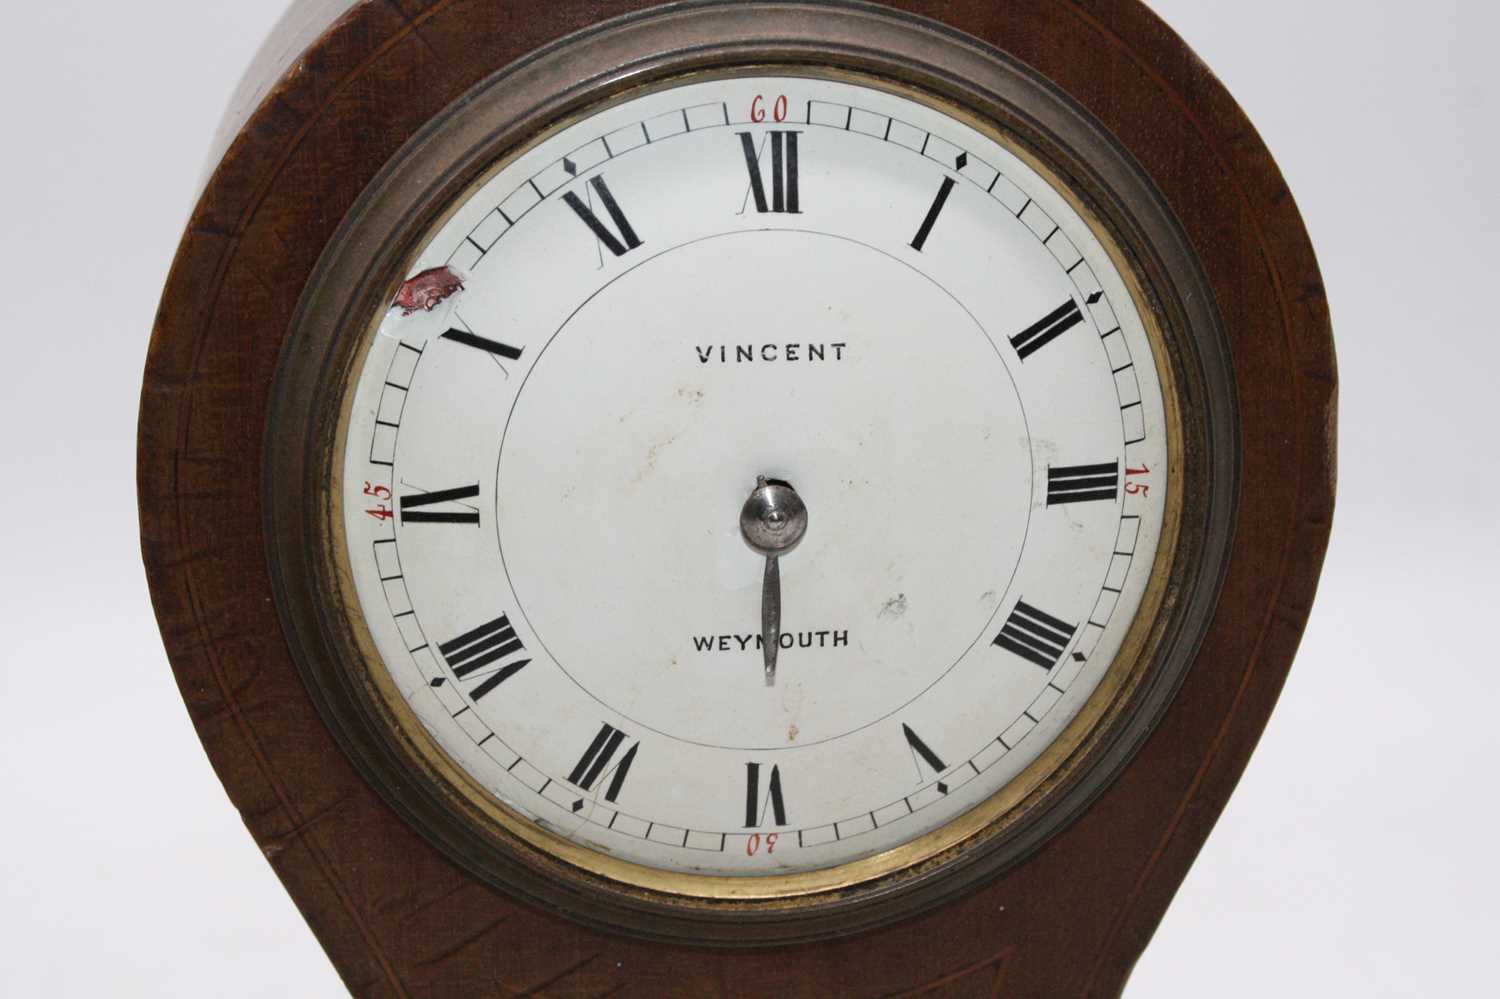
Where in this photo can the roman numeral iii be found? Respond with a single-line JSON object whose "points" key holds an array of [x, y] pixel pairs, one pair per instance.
{"points": [[1051, 326], [1035, 636], [756, 804], [618, 245], [414, 507], [596, 759], [784, 189], [1083, 484], [475, 651]]}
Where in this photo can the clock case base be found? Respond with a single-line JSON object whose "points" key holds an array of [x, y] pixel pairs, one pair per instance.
{"points": [[398, 918]]}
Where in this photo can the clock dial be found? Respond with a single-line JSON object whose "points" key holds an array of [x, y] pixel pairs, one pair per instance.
{"points": [[611, 340]]}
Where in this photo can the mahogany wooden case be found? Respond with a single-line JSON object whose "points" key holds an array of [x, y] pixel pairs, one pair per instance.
{"points": [[302, 224]]}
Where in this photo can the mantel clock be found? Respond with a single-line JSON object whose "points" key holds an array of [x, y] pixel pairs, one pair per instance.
{"points": [[765, 498]]}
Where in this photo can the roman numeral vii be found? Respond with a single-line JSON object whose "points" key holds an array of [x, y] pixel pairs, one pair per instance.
{"points": [[596, 759]]}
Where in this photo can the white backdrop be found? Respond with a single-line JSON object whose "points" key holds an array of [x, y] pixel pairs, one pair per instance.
{"points": [[1359, 855]]}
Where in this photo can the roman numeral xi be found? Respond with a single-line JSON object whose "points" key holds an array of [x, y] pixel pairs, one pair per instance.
{"points": [[472, 653], [618, 245], [1035, 636], [784, 189]]}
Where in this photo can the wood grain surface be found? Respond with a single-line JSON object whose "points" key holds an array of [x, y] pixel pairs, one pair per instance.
{"points": [[397, 918]]}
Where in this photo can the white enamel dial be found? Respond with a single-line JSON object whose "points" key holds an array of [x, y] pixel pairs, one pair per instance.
{"points": [[605, 344]]}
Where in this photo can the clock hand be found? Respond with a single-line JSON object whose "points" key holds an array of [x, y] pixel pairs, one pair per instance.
{"points": [[773, 520], [770, 617]]}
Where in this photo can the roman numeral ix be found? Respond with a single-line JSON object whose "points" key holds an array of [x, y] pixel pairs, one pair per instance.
{"points": [[627, 240], [413, 507], [1051, 326], [1034, 636], [1083, 484], [757, 805], [595, 763], [784, 188], [481, 648]]}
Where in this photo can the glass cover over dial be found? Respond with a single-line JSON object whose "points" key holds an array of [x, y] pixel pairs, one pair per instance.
{"points": [[629, 349]]}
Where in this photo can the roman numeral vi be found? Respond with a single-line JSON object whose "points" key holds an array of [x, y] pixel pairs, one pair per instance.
{"points": [[757, 805]]}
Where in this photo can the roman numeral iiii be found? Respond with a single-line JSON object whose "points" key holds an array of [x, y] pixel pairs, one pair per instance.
{"points": [[1035, 636]]}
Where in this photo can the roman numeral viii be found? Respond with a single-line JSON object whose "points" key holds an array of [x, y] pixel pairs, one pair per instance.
{"points": [[784, 192], [1035, 636], [1083, 484], [474, 652], [596, 759], [1051, 326], [414, 507], [618, 245], [756, 804]]}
